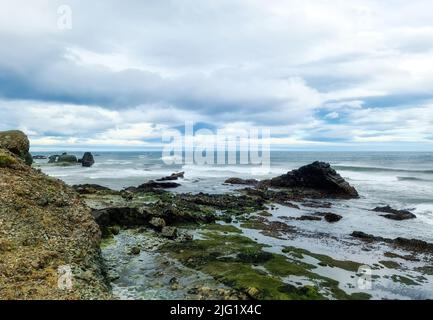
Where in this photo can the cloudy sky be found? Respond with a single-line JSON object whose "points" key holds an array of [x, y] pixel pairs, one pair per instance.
{"points": [[321, 75]]}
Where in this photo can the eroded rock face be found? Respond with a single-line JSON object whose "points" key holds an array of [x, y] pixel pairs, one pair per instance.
{"points": [[16, 142], [43, 227], [318, 176]]}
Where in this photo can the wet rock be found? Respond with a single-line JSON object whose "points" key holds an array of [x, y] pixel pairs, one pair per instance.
{"points": [[332, 217], [309, 218], [169, 232], [135, 251], [239, 181], [394, 214], [318, 176], [173, 176], [16, 142], [316, 204], [409, 244], [87, 160], [91, 189], [152, 185], [158, 223], [120, 216]]}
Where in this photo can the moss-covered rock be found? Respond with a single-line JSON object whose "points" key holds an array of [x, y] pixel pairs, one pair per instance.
{"points": [[16, 142], [45, 228]]}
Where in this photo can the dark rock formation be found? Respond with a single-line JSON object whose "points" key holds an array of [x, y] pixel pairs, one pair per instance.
{"points": [[152, 185], [87, 160], [249, 182], [318, 176], [121, 216], [394, 214], [332, 217], [309, 218], [173, 176], [408, 244], [16, 142]]}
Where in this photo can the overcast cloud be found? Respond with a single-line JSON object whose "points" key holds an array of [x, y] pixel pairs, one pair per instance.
{"points": [[320, 74]]}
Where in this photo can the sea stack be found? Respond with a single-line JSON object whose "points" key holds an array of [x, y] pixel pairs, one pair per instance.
{"points": [[87, 160]]}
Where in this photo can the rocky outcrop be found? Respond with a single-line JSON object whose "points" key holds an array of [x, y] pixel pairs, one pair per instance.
{"points": [[87, 160], [45, 232], [319, 176], [153, 185], [408, 244], [16, 142], [394, 214], [173, 176], [239, 181]]}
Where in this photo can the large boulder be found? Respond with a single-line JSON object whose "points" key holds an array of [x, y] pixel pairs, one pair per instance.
{"points": [[87, 160], [319, 176], [16, 142], [47, 234]]}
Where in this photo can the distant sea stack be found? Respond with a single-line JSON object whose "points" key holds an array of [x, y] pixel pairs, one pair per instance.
{"points": [[68, 159], [45, 230], [87, 160]]}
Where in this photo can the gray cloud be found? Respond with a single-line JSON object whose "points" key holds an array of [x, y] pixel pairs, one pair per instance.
{"points": [[280, 64]]}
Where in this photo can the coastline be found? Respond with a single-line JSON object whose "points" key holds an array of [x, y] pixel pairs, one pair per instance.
{"points": [[270, 239]]}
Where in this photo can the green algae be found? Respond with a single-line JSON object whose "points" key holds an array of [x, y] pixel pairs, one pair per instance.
{"points": [[222, 228], [390, 264], [244, 265], [6, 160], [404, 280], [324, 260]]}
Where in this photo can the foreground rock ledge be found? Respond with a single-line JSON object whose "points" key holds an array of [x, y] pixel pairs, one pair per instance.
{"points": [[44, 226]]}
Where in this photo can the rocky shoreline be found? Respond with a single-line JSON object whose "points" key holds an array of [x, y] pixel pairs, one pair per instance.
{"points": [[160, 244]]}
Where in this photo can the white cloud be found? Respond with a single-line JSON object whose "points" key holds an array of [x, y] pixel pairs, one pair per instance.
{"points": [[128, 69]]}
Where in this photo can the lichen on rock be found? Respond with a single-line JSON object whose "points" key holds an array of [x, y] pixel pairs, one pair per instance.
{"points": [[45, 228]]}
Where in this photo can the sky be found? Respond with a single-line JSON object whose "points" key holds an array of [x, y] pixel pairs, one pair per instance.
{"points": [[320, 75]]}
